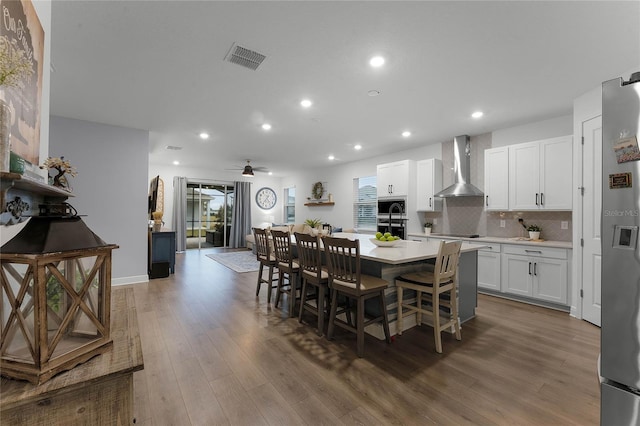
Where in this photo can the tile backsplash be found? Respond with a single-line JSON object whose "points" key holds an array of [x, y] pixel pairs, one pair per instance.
{"points": [[466, 215]]}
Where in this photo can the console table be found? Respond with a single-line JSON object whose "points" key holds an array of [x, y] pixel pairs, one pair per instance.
{"points": [[97, 392]]}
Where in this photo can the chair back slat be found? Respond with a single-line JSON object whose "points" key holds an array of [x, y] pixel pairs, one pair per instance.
{"points": [[263, 248], [309, 254], [282, 246], [343, 260], [446, 267]]}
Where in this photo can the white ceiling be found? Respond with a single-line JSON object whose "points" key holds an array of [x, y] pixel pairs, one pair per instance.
{"points": [[159, 66]]}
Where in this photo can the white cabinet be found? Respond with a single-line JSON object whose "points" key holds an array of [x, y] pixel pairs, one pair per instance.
{"points": [[429, 182], [393, 178], [496, 179], [539, 273], [540, 175], [488, 265]]}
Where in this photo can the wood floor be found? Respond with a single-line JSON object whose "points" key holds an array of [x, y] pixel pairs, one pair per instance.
{"points": [[216, 354]]}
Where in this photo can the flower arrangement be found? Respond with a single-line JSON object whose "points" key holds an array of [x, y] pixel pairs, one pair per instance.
{"points": [[62, 166], [428, 225], [14, 63], [534, 228]]}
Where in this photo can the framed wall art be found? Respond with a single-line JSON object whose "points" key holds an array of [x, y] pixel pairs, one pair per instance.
{"points": [[21, 33]]}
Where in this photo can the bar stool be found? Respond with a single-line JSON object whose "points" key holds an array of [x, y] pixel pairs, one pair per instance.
{"points": [[345, 279], [312, 273], [288, 268], [443, 281], [266, 258]]}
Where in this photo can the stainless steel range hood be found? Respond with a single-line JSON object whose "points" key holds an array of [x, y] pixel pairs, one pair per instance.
{"points": [[462, 186]]}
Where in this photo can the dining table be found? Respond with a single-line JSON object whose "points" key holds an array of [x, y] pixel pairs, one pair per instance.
{"points": [[412, 256]]}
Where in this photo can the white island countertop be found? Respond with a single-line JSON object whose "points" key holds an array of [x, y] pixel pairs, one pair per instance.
{"points": [[405, 251]]}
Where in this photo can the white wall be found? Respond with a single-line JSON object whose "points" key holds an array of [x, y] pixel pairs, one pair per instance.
{"points": [[111, 187], [551, 128]]}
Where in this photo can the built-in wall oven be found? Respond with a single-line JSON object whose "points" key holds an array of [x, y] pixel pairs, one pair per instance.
{"points": [[392, 216]]}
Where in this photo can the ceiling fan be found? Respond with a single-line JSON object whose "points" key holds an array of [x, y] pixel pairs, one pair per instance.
{"points": [[248, 169]]}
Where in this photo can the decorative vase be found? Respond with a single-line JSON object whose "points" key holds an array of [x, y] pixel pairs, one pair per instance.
{"points": [[427, 231], [5, 136], [534, 235]]}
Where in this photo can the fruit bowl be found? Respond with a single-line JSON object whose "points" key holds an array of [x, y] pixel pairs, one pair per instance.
{"points": [[380, 243]]}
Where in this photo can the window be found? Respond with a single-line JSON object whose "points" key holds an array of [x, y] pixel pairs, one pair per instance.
{"points": [[290, 205], [365, 203]]}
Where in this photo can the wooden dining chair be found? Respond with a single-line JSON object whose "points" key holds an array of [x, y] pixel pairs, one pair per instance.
{"points": [[440, 286], [288, 268], [264, 253], [346, 279], [312, 274]]}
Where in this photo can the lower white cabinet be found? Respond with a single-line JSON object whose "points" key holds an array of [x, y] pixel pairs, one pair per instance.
{"points": [[540, 273], [488, 266]]}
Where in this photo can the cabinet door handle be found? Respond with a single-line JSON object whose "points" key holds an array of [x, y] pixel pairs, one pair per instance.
{"points": [[542, 199], [487, 201], [532, 251], [535, 268], [537, 199], [430, 203], [529, 268]]}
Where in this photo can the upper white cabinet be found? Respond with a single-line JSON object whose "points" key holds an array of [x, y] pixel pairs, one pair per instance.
{"points": [[429, 182], [394, 178], [540, 175], [496, 179]]}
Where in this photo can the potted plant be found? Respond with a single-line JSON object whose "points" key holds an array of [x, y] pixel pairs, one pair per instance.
{"points": [[314, 224], [534, 232], [427, 228]]}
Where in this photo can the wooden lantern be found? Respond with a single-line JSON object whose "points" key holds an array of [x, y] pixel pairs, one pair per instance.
{"points": [[55, 283]]}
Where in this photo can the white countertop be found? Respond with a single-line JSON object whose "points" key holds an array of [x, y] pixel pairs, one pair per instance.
{"points": [[404, 251], [503, 240]]}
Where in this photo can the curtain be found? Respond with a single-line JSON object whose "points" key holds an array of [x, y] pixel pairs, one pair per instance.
{"points": [[241, 219], [180, 212]]}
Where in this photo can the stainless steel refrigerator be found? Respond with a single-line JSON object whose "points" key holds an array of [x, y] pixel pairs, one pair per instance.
{"points": [[620, 333]]}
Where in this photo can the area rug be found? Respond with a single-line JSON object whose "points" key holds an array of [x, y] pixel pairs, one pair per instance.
{"points": [[239, 261]]}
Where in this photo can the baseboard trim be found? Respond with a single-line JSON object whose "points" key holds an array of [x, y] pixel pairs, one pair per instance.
{"points": [[135, 279]]}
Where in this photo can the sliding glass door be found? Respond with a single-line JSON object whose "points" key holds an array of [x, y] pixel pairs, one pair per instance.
{"points": [[209, 211]]}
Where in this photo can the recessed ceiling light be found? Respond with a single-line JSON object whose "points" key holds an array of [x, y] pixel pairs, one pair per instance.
{"points": [[373, 92], [406, 133], [306, 103], [176, 163], [331, 157], [376, 61], [477, 114], [357, 147], [266, 126], [204, 135], [270, 173]]}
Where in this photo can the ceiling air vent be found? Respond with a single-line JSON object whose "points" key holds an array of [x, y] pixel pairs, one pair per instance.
{"points": [[173, 148], [244, 57]]}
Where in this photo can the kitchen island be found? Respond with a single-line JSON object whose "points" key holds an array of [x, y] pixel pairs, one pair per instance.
{"points": [[410, 256]]}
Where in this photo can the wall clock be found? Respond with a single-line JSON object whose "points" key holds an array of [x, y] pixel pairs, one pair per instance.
{"points": [[266, 198]]}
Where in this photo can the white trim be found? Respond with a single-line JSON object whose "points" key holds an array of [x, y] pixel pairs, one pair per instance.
{"points": [[135, 279]]}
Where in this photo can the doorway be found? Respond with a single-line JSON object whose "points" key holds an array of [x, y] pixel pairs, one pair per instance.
{"points": [[209, 214]]}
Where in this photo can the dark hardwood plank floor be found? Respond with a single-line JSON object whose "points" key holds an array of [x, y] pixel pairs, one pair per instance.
{"points": [[216, 354]]}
